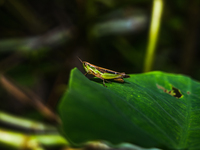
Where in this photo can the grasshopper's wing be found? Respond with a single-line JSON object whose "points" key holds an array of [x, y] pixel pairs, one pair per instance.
{"points": [[109, 74], [104, 70]]}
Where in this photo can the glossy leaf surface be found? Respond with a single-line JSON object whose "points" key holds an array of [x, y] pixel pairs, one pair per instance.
{"points": [[145, 110]]}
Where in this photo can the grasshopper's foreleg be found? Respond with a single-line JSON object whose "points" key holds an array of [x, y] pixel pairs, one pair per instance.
{"points": [[85, 73]]}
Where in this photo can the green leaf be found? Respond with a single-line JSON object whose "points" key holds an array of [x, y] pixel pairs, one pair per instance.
{"points": [[145, 110]]}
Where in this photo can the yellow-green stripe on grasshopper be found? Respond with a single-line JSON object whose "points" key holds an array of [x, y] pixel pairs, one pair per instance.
{"points": [[103, 73]]}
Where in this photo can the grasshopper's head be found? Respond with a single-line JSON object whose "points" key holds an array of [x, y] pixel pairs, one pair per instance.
{"points": [[85, 64]]}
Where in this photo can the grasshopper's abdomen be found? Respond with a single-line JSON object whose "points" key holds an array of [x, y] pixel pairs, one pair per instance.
{"points": [[111, 76]]}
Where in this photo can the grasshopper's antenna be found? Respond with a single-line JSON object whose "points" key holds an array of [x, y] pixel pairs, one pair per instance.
{"points": [[80, 59]]}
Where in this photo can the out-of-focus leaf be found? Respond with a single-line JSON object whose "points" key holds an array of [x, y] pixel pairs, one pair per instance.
{"points": [[51, 39], [119, 26]]}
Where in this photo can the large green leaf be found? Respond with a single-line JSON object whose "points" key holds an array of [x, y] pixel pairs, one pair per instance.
{"points": [[140, 111]]}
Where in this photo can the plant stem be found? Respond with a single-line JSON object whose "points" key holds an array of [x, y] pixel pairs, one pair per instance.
{"points": [[153, 34]]}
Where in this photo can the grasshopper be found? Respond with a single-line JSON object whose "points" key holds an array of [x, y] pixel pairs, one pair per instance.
{"points": [[103, 73]]}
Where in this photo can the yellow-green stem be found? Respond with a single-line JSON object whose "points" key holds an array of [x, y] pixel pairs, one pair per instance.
{"points": [[153, 34]]}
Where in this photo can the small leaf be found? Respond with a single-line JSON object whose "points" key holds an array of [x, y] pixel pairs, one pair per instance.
{"points": [[136, 111]]}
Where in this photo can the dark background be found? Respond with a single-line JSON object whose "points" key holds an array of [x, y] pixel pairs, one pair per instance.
{"points": [[40, 42]]}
